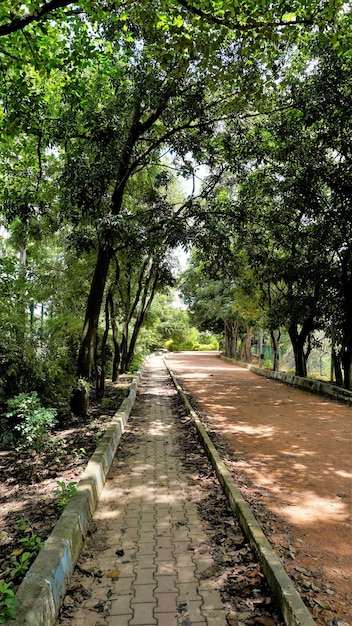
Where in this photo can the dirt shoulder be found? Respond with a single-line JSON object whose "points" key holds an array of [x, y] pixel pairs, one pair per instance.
{"points": [[29, 507], [290, 452]]}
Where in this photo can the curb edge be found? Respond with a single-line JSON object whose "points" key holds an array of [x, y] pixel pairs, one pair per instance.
{"points": [[295, 612], [42, 590]]}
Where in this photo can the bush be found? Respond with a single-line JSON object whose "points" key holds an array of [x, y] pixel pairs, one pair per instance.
{"points": [[32, 420], [190, 345], [174, 346]]}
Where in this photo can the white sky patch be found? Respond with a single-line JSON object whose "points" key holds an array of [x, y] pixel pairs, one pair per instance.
{"points": [[193, 184]]}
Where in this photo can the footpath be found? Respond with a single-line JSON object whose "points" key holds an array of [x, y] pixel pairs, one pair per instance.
{"points": [[141, 570]]}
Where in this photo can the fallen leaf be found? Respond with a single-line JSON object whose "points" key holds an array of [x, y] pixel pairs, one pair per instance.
{"points": [[120, 552], [114, 574], [17, 552], [324, 604], [330, 592]]}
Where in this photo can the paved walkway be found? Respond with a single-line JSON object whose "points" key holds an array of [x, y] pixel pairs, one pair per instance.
{"points": [[145, 571]]}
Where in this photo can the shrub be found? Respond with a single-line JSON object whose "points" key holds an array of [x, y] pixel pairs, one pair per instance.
{"points": [[32, 420]]}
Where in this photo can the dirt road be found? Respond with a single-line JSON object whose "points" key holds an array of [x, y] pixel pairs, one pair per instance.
{"points": [[291, 454]]}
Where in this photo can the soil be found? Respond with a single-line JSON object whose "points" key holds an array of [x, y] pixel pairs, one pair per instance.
{"points": [[29, 507], [290, 454]]}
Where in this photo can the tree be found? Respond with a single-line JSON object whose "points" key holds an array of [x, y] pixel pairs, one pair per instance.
{"points": [[325, 100], [225, 303], [239, 19], [290, 202], [94, 94]]}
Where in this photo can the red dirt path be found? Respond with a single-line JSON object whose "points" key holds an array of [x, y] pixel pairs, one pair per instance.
{"points": [[295, 449]]}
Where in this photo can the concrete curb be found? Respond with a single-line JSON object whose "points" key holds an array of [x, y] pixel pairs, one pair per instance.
{"points": [[294, 611], [43, 588], [316, 386]]}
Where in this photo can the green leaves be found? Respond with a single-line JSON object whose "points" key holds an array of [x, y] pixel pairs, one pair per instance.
{"points": [[8, 603]]}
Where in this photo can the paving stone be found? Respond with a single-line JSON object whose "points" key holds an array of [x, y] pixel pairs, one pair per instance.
{"points": [[212, 600], [207, 584], [194, 611], [184, 560], [186, 575], [144, 593], [124, 620], [165, 584], [182, 547], [144, 576], [166, 602], [122, 605], [143, 614], [203, 562], [146, 548], [146, 561], [165, 568], [188, 592], [125, 585], [148, 537], [164, 554], [164, 541]]}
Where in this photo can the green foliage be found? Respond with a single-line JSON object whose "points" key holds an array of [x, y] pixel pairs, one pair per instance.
{"points": [[31, 419], [31, 544], [137, 361], [80, 453], [8, 603], [90, 100], [192, 340], [64, 493], [38, 343], [23, 523], [21, 564]]}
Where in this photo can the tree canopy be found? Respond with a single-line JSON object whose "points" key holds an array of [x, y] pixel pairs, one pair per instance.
{"points": [[105, 108]]}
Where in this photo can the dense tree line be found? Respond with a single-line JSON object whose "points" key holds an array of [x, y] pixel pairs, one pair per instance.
{"points": [[103, 107], [286, 204]]}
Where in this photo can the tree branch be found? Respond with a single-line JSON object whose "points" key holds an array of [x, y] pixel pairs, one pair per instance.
{"points": [[253, 24], [19, 23]]}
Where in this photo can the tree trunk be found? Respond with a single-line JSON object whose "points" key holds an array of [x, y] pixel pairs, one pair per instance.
{"points": [[230, 339], [101, 377], [115, 339], [347, 366], [298, 340], [246, 355], [117, 353], [275, 342], [346, 352], [86, 355], [143, 311], [336, 359], [90, 328], [124, 171], [124, 348]]}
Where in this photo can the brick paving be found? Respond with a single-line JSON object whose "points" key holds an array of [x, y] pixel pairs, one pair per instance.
{"points": [[144, 512]]}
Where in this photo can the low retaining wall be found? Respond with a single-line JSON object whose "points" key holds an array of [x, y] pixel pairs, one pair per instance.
{"points": [[43, 588], [317, 386]]}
